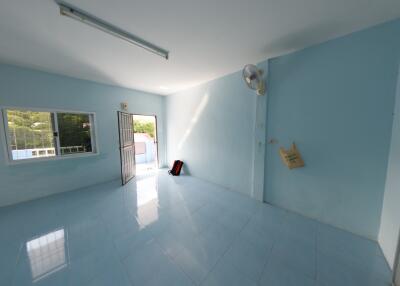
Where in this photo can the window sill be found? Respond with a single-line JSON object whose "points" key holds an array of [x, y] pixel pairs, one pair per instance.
{"points": [[55, 158]]}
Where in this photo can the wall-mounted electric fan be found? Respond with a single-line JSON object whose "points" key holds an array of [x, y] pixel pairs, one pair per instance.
{"points": [[253, 76]]}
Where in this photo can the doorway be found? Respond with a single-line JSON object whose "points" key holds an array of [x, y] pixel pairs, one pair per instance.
{"points": [[146, 143]]}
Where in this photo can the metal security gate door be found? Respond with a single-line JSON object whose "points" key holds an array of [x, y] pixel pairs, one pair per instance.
{"points": [[126, 146]]}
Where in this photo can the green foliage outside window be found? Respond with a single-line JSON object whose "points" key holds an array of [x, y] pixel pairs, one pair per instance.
{"points": [[74, 130], [29, 129], [144, 127]]}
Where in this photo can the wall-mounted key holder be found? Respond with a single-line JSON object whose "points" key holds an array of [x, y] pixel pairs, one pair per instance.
{"points": [[291, 157]]}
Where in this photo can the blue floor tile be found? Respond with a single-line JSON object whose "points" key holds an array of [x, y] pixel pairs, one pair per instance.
{"points": [[295, 255], [247, 258], [277, 274], [150, 266], [163, 230], [335, 271], [225, 274]]}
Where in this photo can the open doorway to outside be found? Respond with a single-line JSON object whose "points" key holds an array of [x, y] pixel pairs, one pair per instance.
{"points": [[146, 147]]}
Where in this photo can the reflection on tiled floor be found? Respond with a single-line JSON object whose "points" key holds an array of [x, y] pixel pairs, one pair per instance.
{"points": [[172, 231]]}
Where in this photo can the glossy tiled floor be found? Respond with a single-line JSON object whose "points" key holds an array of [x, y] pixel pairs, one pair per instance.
{"points": [[161, 230]]}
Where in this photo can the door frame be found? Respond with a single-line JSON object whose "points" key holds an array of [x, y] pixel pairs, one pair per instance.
{"points": [[156, 133]]}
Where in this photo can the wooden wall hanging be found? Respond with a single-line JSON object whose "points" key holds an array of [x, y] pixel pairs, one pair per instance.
{"points": [[291, 158]]}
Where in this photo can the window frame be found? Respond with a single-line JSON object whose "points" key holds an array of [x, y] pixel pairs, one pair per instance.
{"points": [[6, 140]]}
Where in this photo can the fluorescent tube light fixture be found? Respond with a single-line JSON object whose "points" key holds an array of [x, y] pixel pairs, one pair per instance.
{"points": [[77, 14]]}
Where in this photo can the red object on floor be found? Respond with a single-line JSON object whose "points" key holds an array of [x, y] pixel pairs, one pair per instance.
{"points": [[176, 168]]}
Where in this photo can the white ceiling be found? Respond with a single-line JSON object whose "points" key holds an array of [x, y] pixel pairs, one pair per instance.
{"points": [[206, 38]]}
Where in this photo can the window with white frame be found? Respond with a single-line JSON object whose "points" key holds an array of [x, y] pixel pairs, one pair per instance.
{"points": [[36, 134]]}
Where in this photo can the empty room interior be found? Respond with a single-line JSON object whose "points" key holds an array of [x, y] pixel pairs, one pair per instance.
{"points": [[199, 143]]}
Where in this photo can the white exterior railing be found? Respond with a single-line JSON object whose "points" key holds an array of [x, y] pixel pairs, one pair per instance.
{"points": [[33, 153], [45, 152]]}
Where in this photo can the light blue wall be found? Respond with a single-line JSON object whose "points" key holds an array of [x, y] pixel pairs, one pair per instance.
{"points": [[335, 100], [390, 219], [211, 128], [28, 88]]}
